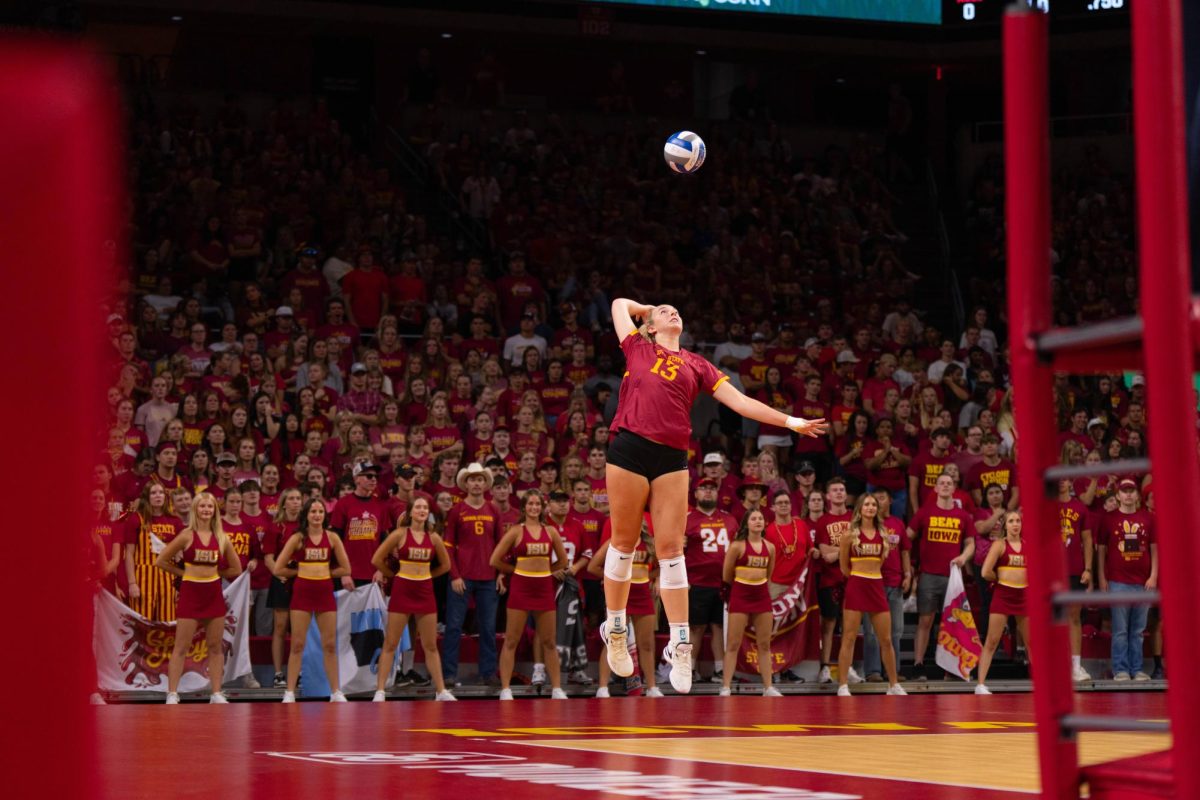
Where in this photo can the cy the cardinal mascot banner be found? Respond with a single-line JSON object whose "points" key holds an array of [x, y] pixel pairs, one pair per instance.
{"points": [[958, 645]]}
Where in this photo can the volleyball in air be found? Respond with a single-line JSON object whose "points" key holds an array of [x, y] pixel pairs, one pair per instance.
{"points": [[684, 152]]}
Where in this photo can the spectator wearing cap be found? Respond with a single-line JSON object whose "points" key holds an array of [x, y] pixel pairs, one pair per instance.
{"points": [[1097, 430], [571, 333], [226, 465], [305, 277], [365, 290], [403, 490], [360, 402], [153, 415], [753, 368], [275, 341], [361, 518], [751, 492], [842, 372], [516, 289], [1127, 561], [516, 345], [707, 533], [472, 529]]}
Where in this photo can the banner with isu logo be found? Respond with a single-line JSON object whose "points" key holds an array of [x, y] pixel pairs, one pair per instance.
{"points": [[132, 652]]}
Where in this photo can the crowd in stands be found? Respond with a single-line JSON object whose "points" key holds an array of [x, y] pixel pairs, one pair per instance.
{"points": [[291, 321]]}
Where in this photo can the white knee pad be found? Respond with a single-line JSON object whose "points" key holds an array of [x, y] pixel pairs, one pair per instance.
{"points": [[672, 574], [618, 566]]}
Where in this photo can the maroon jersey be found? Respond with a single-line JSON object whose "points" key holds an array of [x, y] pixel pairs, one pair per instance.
{"points": [[245, 543], [830, 529], [592, 523], [706, 539], [1073, 518], [361, 522], [898, 541], [1004, 475], [941, 534], [1127, 538], [574, 539], [659, 388], [471, 536]]}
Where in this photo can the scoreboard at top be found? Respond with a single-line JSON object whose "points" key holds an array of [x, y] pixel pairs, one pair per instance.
{"points": [[977, 12]]}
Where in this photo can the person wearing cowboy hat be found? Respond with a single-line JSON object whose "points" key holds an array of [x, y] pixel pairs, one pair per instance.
{"points": [[472, 529], [750, 492]]}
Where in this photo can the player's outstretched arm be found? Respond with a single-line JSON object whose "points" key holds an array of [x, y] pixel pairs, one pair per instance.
{"points": [[761, 412]]}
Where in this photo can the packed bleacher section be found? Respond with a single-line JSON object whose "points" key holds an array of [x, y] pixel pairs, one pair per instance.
{"points": [[291, 313]]}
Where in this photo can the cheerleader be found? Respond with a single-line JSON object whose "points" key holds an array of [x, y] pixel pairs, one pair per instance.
{"points": [[862, 554], [149, 526], [315, 548], [1005, 566], [641, 606], [414, 544], [749, 560], [204, 547], [541, 562]]}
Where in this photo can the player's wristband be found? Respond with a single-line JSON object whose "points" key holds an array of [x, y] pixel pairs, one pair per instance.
{"points": [[793, 423]]}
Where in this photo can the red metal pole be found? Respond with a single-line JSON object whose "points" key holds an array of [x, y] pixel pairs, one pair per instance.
{"points": [[1158, 117], [1027, 166]]}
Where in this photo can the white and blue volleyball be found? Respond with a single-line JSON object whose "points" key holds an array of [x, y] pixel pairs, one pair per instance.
{"points": [[684, 152]]}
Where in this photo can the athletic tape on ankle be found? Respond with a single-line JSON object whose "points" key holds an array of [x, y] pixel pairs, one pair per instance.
{"points": [[672, 574], [618, 566]]}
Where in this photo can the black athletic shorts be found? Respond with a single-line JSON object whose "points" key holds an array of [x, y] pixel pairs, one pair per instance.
{"points": [[829, 598], [705, 606], [279, 594], [649, 459]]}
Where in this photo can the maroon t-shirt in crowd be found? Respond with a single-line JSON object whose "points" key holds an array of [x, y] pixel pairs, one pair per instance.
{"points": [[362, 523], [897, 536], [471, 536], [926, 468], [706, 539], [657, 393], [1127, 538], [830, 529], [592, 522], [941, 535], [1074, 518]]}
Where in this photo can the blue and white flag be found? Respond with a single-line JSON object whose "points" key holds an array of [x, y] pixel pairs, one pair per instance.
{"points": [[361, 620]]}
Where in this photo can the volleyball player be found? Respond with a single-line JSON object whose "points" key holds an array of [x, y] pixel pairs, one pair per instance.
{"points": [[201, 602], [416, 545], [648, 461], [541, 561], [748, 564], [315, 548], [862, 552], [1006, 567]]}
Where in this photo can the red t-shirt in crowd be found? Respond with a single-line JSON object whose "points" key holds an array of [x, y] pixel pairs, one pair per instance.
{"points": [[830, 529], [926, 468], [591, 522], [362, 523], [660, 386], [941, 535], [889, 474], [898, 541], [1128, 538], [366, 290], [706, 539], [1003, 475], [259, 524], [791, 549], [1074, 518], [574, 538], [471, 536], [244, 540]]}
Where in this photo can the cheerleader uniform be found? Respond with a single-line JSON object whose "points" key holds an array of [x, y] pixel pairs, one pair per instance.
{"points": [[641, 601], [313, 588], [864, 587], [200, 597], [1011, 582], [750, 593], [533, 587], [412, 588]]}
